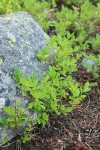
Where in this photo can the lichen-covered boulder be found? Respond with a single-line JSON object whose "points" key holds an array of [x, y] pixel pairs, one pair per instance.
{"points": [[20, 39]]}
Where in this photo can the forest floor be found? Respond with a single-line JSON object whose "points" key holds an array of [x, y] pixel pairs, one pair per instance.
{"points": [[79, 130]]}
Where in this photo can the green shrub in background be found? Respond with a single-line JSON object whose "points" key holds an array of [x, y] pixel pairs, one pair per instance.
{"points": [[70, 3], [74, 23], [38, 9], [95, 42], [7, 6], [43, 12]]}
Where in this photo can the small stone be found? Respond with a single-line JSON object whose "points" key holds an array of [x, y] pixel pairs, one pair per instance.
{"points": [[89, 61]]}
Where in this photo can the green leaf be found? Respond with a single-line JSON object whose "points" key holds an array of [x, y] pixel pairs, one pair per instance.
{"points": [[69, 109], [5, 138], [45, 116], [17, 74], [86, 87], [18, 103], [30, 105], [25, 138], [21, 111], [9, 110], [24, 81], [4, 121]]}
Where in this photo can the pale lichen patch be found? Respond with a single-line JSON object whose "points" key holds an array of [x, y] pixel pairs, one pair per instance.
{"points": [[1, 61], [10, 43], [8, 18], [13, 39]]}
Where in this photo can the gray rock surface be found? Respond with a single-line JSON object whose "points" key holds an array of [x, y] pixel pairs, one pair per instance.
{"points": [[86, 62], [20, 39]]}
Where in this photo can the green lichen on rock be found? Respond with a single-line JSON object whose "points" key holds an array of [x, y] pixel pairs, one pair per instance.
{"points": [[22, 37], [1, 61]]}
